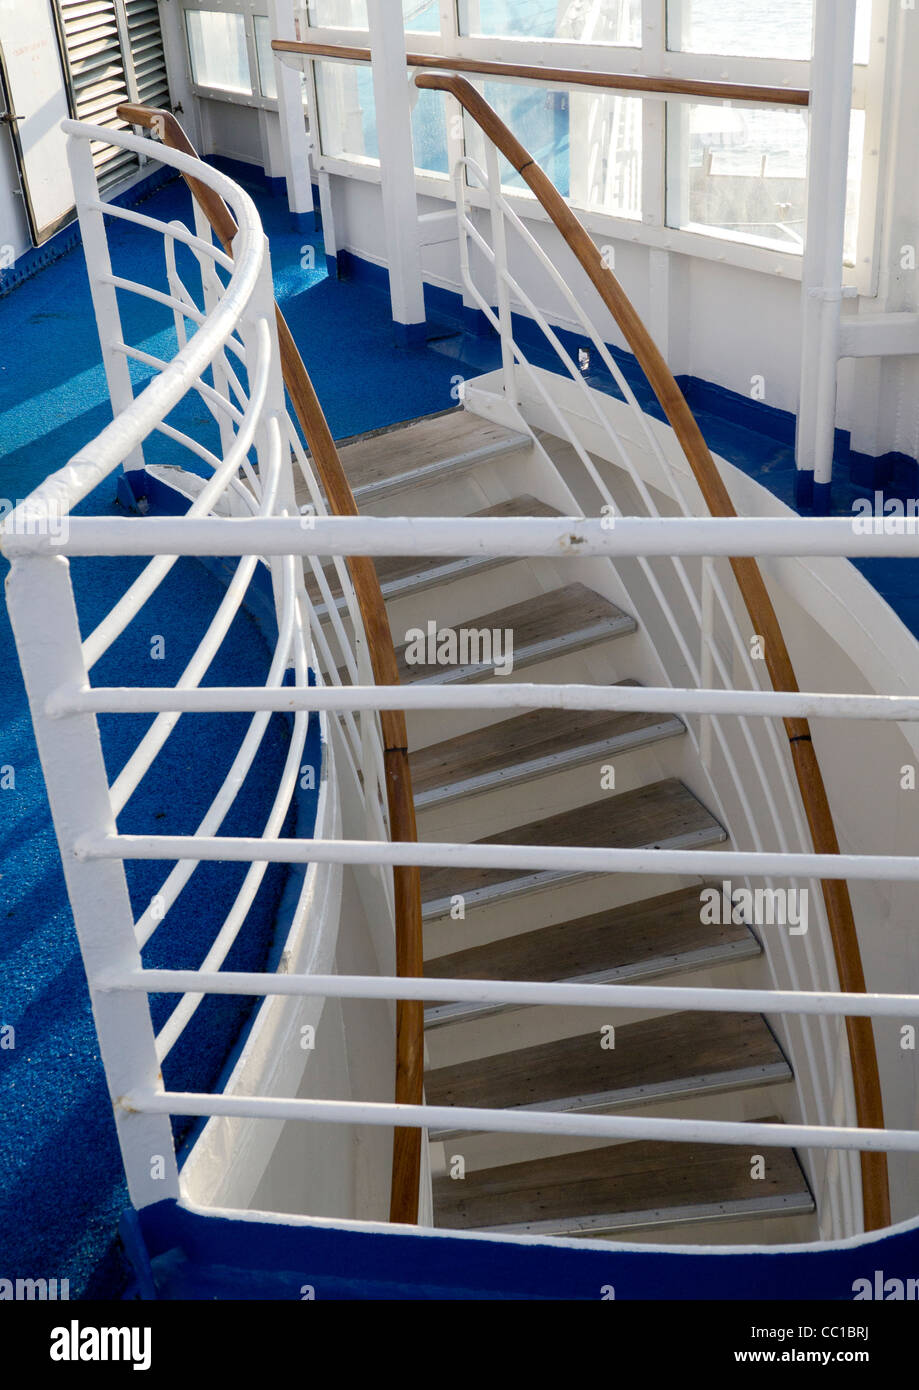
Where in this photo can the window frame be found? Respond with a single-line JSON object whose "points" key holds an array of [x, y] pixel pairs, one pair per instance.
{"points": [[654, 58], [248, 9]]}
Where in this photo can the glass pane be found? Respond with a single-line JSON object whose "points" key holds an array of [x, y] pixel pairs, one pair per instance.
{"points": [[347, 114], [347, 119], [588, 143], [429, 133], [780, 29], [580, 21], [337, 14], [265, 58], [421, 16], [741, 172], [217, 47]]}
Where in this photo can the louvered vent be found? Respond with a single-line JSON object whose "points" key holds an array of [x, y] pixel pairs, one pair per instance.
{"points": [[114, 52], [146, 43]]}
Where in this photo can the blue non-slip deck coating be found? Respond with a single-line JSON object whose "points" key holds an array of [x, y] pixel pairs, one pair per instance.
{"points": [[63, 1188]]}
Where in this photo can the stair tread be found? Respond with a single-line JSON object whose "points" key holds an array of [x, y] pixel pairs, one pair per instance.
{"points": [[662, 814], [621, 1186], [394, 571], [396, 456], [562, 620], [630, 941], [672, 1054], [521, 745]]}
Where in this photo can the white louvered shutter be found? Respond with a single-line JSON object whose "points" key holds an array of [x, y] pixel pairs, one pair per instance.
{"points": [[147, 55], [114, 53]]}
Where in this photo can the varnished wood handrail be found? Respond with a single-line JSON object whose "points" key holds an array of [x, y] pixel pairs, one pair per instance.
{"points": [[860, 1034], [569, 77], [409, 1082]]}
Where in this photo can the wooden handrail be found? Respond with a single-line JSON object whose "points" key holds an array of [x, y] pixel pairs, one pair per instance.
{"points": [[409, 1081], [860, 1034], [569, 77]]}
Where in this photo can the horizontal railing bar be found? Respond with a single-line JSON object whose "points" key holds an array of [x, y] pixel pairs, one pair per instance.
{"points": [[695, 88], [169, 229], [234, 699], [570, 537], [777, 1136], [583, 996], [533, 858]]}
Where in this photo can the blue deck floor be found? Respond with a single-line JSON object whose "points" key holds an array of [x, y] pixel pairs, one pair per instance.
{"points": [[62, 1189]]}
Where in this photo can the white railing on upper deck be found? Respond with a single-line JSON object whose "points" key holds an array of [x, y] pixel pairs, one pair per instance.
{"points": [[234, 337]]}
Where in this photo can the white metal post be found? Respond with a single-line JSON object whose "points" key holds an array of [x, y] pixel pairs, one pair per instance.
{"points": [[104, 295], [827, 181], [499, 244], [397, 167], [294, 142], [44, 618]]}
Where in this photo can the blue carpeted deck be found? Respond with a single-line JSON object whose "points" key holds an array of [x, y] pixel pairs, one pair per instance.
{"points": [[62, 1188]]}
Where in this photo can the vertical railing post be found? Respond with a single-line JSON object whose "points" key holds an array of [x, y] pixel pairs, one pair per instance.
{"points": [[827, 185], [44, 617], [397, 168], [104, 294], [499, 243], [292, 120]]}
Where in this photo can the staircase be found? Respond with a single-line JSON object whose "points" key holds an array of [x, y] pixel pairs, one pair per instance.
{"points": [[538, 778]]}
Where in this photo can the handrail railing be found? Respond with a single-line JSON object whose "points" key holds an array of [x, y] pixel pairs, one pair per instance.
{"points": [[406, 879], [861, 1044], [569, 77]]}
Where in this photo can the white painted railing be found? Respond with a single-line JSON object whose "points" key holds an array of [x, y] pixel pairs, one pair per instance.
{"points": [[226, 355], [234, 337], [761, 812]]}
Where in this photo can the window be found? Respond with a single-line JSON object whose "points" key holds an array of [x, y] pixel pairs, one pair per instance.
{"points": [[347, 114], [337, 14], [429, 135], [741, 172], [732, 173], [780, 29], [347, 119], [589, 143], [218, 51], [267, 78], [579, 21], [420, 16], [113, 53]]}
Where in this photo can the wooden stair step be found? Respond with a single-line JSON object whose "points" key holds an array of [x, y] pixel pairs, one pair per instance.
{"points": [[548, 625], [662, 815], [672, 1056], [657, 936], [424, 451], [531, 745], [403, 575], [623, 1187]]}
